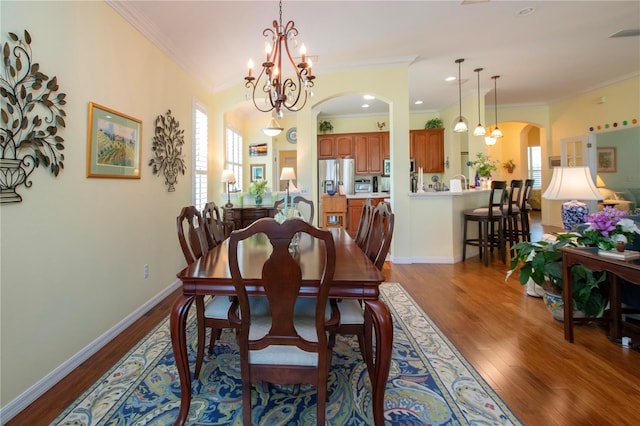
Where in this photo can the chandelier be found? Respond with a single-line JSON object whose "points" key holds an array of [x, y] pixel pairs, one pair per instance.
{"points": [[292, 93]]}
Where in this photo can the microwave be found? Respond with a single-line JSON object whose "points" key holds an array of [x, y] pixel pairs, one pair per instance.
{"points": [[362, 185]]}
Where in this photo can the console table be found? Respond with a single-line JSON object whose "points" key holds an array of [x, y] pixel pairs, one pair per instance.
{"points": [[616, 270], [245, 216]]}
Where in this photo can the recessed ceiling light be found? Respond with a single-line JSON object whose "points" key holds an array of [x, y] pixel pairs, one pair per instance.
{"points": [[369, 97], [418, 102], [450, 78], [525, 11], [365, 106]]}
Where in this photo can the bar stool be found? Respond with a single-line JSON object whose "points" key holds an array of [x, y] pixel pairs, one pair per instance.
{"points": [[525, 209], [512, 226], [488, 219]]}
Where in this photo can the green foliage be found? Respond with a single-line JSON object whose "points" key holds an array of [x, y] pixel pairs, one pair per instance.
{"points": [[325, 126], [541, 261], [258, 187], [434, 123], [484, 165]]}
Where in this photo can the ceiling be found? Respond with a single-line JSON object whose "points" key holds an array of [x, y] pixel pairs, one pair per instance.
{"points": [[561, 49]]}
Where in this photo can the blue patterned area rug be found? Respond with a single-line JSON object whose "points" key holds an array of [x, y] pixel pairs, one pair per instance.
{"points": [[430, 383]]}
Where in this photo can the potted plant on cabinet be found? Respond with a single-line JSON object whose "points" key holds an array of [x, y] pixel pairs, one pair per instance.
{"points": [[434, 123], [325, 126], [541, 262]]}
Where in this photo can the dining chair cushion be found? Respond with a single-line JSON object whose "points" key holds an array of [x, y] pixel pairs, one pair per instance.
{"points": [[218, 307], [482, 211], [351, 312]]}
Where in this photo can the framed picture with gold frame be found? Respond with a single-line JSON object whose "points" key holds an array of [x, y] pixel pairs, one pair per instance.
{"points": [[607, 160], [113, 147]]}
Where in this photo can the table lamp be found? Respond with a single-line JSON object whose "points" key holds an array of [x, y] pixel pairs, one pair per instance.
{"points": [[599, 182], [572, 183], [229, 178], [288, 174]]}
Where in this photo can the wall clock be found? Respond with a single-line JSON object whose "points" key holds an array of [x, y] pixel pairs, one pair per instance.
{"points": [[292, 135]]}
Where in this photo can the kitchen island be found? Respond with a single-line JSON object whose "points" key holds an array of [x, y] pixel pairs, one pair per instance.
{"points": [[436, 222]]}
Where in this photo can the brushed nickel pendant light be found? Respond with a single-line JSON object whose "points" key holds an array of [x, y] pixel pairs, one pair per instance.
{"points": [[479, 130], [460, 125]]}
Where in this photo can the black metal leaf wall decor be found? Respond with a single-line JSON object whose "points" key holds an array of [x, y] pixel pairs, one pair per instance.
{"points": [[31, 117], [167, 149]]}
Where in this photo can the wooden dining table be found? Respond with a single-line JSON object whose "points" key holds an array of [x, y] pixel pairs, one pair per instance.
{"points": [[356, 277]]}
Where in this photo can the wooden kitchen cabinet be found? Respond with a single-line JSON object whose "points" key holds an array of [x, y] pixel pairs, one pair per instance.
{"points": [[386, 146], [335, 146], [427, 149], [368, 153]]}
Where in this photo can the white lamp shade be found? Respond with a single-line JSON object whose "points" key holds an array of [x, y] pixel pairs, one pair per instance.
{"points": [[479, 130], [273, 128], [572, 183], [497, 133], [288, 173], [460, 127], [228, 177], [490, 140]]}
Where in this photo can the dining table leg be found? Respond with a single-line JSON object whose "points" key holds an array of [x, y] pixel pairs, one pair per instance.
{"points": [[383, 328], [178, 322]]}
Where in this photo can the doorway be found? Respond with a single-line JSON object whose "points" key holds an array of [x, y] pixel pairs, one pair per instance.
{"points": [[286, 158]]}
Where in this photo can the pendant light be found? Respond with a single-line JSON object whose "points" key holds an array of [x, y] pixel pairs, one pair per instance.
{"points": [[496, 133], [460, 125], [479, 130]]}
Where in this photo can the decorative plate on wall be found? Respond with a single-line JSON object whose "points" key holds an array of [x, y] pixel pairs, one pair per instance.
{"points": [[292, 135]]}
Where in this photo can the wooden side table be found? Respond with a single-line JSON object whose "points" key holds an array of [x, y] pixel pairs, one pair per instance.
{"points": [[334, 211]]}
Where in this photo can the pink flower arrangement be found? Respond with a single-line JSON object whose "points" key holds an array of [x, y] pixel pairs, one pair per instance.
{"points": [[608, 227]]}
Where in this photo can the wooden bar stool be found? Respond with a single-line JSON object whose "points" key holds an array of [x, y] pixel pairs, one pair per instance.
{"points": [[488, 218]]}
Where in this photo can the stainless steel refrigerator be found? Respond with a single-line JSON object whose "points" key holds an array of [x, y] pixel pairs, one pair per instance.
{"points": [[333, 173]]}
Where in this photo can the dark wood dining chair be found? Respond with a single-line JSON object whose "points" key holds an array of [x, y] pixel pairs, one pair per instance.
{"points": [[354, 319], [288, 344], [512, 225], [215, 315], [215, 227], [364, 224], [490, 222], [307, 211]]}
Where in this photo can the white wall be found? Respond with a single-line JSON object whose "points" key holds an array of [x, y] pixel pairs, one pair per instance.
{"points": [[73, 251]]}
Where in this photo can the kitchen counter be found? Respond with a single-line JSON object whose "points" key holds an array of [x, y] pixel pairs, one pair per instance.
{"points": [[441, 194], [365, 195]]}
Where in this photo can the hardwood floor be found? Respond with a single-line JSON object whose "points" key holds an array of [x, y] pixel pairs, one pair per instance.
{"points": [[509, 337]]}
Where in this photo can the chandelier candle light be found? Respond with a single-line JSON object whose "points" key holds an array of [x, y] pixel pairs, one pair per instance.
{"points": [[292, 93]]}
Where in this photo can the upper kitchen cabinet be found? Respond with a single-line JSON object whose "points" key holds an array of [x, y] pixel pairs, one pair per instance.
{"points": [[335, 146], [386, 146], [369, 152], [427, 149]]}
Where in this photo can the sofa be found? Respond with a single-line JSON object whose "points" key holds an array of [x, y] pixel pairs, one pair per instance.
{"points": [[626, 199]]}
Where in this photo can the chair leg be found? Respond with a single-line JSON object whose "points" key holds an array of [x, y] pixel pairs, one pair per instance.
{"points": [[464, 241], [201, 334], [484, 237]]}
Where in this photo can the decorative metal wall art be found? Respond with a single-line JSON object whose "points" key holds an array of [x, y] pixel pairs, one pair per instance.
{"points": [[167, 148], [32, 115]]}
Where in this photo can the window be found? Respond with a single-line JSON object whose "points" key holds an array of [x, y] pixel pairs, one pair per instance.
{"points": [[233, 156], [534, 154], [200, 149]]}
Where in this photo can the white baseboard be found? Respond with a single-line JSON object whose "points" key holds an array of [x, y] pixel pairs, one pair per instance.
{"points": [[23, 400]]}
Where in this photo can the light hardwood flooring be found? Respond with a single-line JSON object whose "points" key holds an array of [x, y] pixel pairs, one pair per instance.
{"points": [[509, 337]]}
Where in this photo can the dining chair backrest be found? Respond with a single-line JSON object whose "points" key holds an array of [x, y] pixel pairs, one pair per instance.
{"points": [[526, 195], [214, 225], [304, 206], [365, 223], [191, 234], [279, 343], [380, 234]]}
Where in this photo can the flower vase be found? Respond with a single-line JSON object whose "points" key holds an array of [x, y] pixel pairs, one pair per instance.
{"points": [[258, 199]]}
